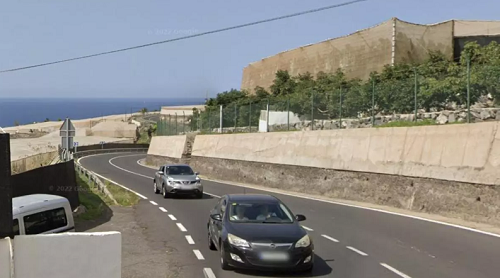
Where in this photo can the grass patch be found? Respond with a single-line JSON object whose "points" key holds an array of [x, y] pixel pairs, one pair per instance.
{"points": [[122, 196], [94, 201], [409, 123], [143, 138], [424, 122], [97, 202]]}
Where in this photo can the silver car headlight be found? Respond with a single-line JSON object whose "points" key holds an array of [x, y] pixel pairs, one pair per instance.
{"points": [[236, 241], [303, 242], [198, 180]]}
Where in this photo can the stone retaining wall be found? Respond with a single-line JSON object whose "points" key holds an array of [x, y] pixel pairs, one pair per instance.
{"points": [[471, 202]]}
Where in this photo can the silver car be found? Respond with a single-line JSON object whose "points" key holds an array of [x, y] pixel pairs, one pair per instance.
{"points": [[177, 179]]}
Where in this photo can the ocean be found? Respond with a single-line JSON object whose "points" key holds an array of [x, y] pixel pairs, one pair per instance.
{"points": [[26, 110]]}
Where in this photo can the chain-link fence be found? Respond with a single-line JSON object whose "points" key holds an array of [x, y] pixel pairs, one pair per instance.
{"points": [[401, 97]]}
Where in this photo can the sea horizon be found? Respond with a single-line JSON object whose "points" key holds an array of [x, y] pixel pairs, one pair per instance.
{"points": [[25, 110]]}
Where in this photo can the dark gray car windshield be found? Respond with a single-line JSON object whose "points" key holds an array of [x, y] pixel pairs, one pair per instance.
{"points": [[180, 170], [259, 212]]}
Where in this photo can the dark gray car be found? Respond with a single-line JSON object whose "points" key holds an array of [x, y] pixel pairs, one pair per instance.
{"points": [[177, 179]]}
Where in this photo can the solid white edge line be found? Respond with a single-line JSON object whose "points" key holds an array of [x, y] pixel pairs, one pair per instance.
{"points": [[394, 270], [163, 209], [361, 207], [136, 193], [153, 203], [189, 239], [128, 171], [208, 273], [102, 177], [213, 195], [307, 228], [330, 238], [181, 227], [357, 251], [198, 254], [172, 217]]}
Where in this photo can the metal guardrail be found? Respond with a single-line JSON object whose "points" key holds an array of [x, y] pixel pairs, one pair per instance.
{"points": [[91, 176], [94, 180], [102, 151]]}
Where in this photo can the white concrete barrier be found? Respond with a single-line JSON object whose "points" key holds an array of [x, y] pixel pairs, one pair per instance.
{"points": [[82, 255], [169, 146], [5, 258], [464, 152]]}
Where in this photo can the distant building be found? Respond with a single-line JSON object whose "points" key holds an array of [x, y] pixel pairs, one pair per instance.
{"points": [[180, 111], [368, 50]]}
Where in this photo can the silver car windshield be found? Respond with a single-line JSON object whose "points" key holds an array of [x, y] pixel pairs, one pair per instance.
{"points": [[180, 170]]}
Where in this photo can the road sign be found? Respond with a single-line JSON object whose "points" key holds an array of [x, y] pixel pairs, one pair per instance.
{"points": [[75, 144], [67, 132]]}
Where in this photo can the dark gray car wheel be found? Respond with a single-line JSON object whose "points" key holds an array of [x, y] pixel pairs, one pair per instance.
{"points": [[223, 261], [211, 244]]}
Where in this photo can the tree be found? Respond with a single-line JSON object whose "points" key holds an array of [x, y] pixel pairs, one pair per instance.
{"points": [[144, 111], [16, 123]]}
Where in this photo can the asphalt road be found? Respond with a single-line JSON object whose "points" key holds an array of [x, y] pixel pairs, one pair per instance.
{"points": [[349, 241]]}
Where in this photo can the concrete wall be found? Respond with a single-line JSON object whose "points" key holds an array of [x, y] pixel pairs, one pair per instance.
{"points": [[168, 146], [5, 258], [447, 170], [414, 41], [465, 153], [82, 255], [357, 54], [32, 162]]}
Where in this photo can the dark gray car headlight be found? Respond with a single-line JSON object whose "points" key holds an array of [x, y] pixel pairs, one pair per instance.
{"points": [[303, 242]]}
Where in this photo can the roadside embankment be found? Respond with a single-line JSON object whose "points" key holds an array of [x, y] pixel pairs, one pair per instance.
{"points": [[447, 170]]}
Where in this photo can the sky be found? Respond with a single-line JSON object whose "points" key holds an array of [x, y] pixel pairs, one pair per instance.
{"points": [[33, 32]]}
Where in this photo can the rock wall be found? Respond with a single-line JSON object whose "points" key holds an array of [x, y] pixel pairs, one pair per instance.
{"points": [[466, 201], [357, 54]]}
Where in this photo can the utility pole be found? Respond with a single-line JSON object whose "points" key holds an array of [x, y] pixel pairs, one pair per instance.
{"points": [[468, 88], [416, 91]]}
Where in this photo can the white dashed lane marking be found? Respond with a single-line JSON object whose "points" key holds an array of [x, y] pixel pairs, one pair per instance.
{"points": [[330, 238], [307, 228], [395, 270], [153, 203], [357, 251], [198, 254], [163, 209], [208, 273], [172, 217], [181, 227], [189, 239]]}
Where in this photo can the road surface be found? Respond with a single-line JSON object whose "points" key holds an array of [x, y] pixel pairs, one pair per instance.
{"points": [[349, 241]]}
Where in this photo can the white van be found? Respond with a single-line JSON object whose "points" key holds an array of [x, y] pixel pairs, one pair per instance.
{"points": [[41, 214]]}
